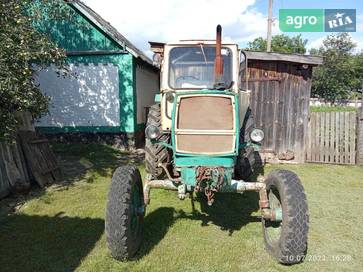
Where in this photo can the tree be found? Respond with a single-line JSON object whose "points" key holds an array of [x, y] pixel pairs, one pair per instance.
{"points": [[281, 44], [23, 51], [338, 75], [358, 67]]}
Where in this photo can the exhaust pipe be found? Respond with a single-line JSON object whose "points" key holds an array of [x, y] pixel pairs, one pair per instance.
{"points": [[218, 63]]}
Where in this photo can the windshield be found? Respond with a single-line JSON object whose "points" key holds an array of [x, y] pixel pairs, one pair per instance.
{"points": [[193, 67]]}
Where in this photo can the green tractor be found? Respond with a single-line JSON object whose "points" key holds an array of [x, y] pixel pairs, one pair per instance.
{"points": [[200, 137]]}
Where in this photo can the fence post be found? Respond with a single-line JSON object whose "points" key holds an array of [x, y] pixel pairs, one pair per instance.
{"points": [[360, 136]]}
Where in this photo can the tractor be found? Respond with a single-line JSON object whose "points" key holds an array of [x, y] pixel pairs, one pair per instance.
{"points": [[200, 138]]}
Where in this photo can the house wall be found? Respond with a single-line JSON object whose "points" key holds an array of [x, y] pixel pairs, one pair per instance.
{"points": [[87, 96], [147, 85], [98, 98], [93, 88]]}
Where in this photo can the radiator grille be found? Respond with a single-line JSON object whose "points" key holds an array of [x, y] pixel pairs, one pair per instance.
{"points": [[205, 125]]}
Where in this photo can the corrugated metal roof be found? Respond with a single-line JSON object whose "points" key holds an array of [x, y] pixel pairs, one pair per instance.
{"points": [[297, 58], [95, 18]]}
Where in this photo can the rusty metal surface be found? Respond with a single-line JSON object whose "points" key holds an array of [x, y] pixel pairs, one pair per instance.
{"points": [[219, 61], [206, 174], [239, 186], [157, 184]]}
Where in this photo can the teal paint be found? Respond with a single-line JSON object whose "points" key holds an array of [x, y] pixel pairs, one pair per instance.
{"points": [[75, 33], [212, 161], [188, 175], [228, 173], [163, 144], [134, 93], [157, 98]]}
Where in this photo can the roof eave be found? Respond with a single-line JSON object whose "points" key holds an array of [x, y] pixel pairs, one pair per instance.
{"points": [[78, 5], [285, 57]]}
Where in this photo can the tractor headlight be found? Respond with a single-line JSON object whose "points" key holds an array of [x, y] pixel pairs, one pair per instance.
{"points": [[152, 132], [257, 135]]}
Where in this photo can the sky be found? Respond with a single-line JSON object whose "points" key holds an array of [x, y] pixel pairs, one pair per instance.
{"points": [[141, 21]]}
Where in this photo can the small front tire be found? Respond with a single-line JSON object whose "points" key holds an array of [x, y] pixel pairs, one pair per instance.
{"points": [[125, 213]]}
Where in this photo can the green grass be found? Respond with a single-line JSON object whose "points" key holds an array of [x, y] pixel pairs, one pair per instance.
{"points": [[332, 109], [62, 228]]}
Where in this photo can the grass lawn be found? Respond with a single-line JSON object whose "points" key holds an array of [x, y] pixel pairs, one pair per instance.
{"points": [[62, 228]]}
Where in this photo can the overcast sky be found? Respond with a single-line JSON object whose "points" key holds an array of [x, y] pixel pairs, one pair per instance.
{"points": [[242, 20]]}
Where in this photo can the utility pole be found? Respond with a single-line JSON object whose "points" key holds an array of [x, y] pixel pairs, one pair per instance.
{"points": [[269, 25]]}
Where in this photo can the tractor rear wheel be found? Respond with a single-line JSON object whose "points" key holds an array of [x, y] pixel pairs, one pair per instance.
{"points": [[286, 240], [125, 213], [156, 154]]}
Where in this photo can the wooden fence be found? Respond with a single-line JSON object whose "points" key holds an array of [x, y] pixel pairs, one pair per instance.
{"points": [[332, 137], [29, 158], [13, 168], [14, 172]]}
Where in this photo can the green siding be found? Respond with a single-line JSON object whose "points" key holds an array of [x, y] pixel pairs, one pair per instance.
{"points": [[79, 34], [76, 33], [134, 93]]}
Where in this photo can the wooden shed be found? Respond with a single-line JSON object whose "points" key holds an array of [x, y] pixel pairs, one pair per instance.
{"points": [[280, 86]]}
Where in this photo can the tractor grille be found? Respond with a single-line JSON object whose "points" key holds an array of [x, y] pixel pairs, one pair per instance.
{"points": [[205, 124]]}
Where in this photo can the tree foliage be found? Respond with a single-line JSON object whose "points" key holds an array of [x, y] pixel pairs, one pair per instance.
{"points": [[23, 51], [280, 44], [341, 71]]}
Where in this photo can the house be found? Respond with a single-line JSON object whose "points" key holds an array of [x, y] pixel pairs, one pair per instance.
{"points": [[280, 87], [108, 86]]}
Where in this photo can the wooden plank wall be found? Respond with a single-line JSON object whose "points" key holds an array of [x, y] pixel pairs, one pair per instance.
{"points": [[280, 94], [332, 138], [13, 168]]}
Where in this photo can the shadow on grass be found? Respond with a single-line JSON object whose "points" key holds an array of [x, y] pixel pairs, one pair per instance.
{"points": [[42, 243], [156, 226], [76, 159], [230, 212]]}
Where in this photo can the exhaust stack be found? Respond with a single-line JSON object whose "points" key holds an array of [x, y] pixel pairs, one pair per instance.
{"points": [[218, 63]]}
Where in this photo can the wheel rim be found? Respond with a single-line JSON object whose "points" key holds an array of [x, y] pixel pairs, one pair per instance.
{"points": [[273, 228], [136, 211]]}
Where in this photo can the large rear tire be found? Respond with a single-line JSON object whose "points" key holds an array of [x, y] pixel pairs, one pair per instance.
{"points": [[125, 213], [286, 241], [156, 154]]}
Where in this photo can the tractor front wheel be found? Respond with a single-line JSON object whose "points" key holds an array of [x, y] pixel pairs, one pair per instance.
{"points": [[286, 240], [125, 213]]}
